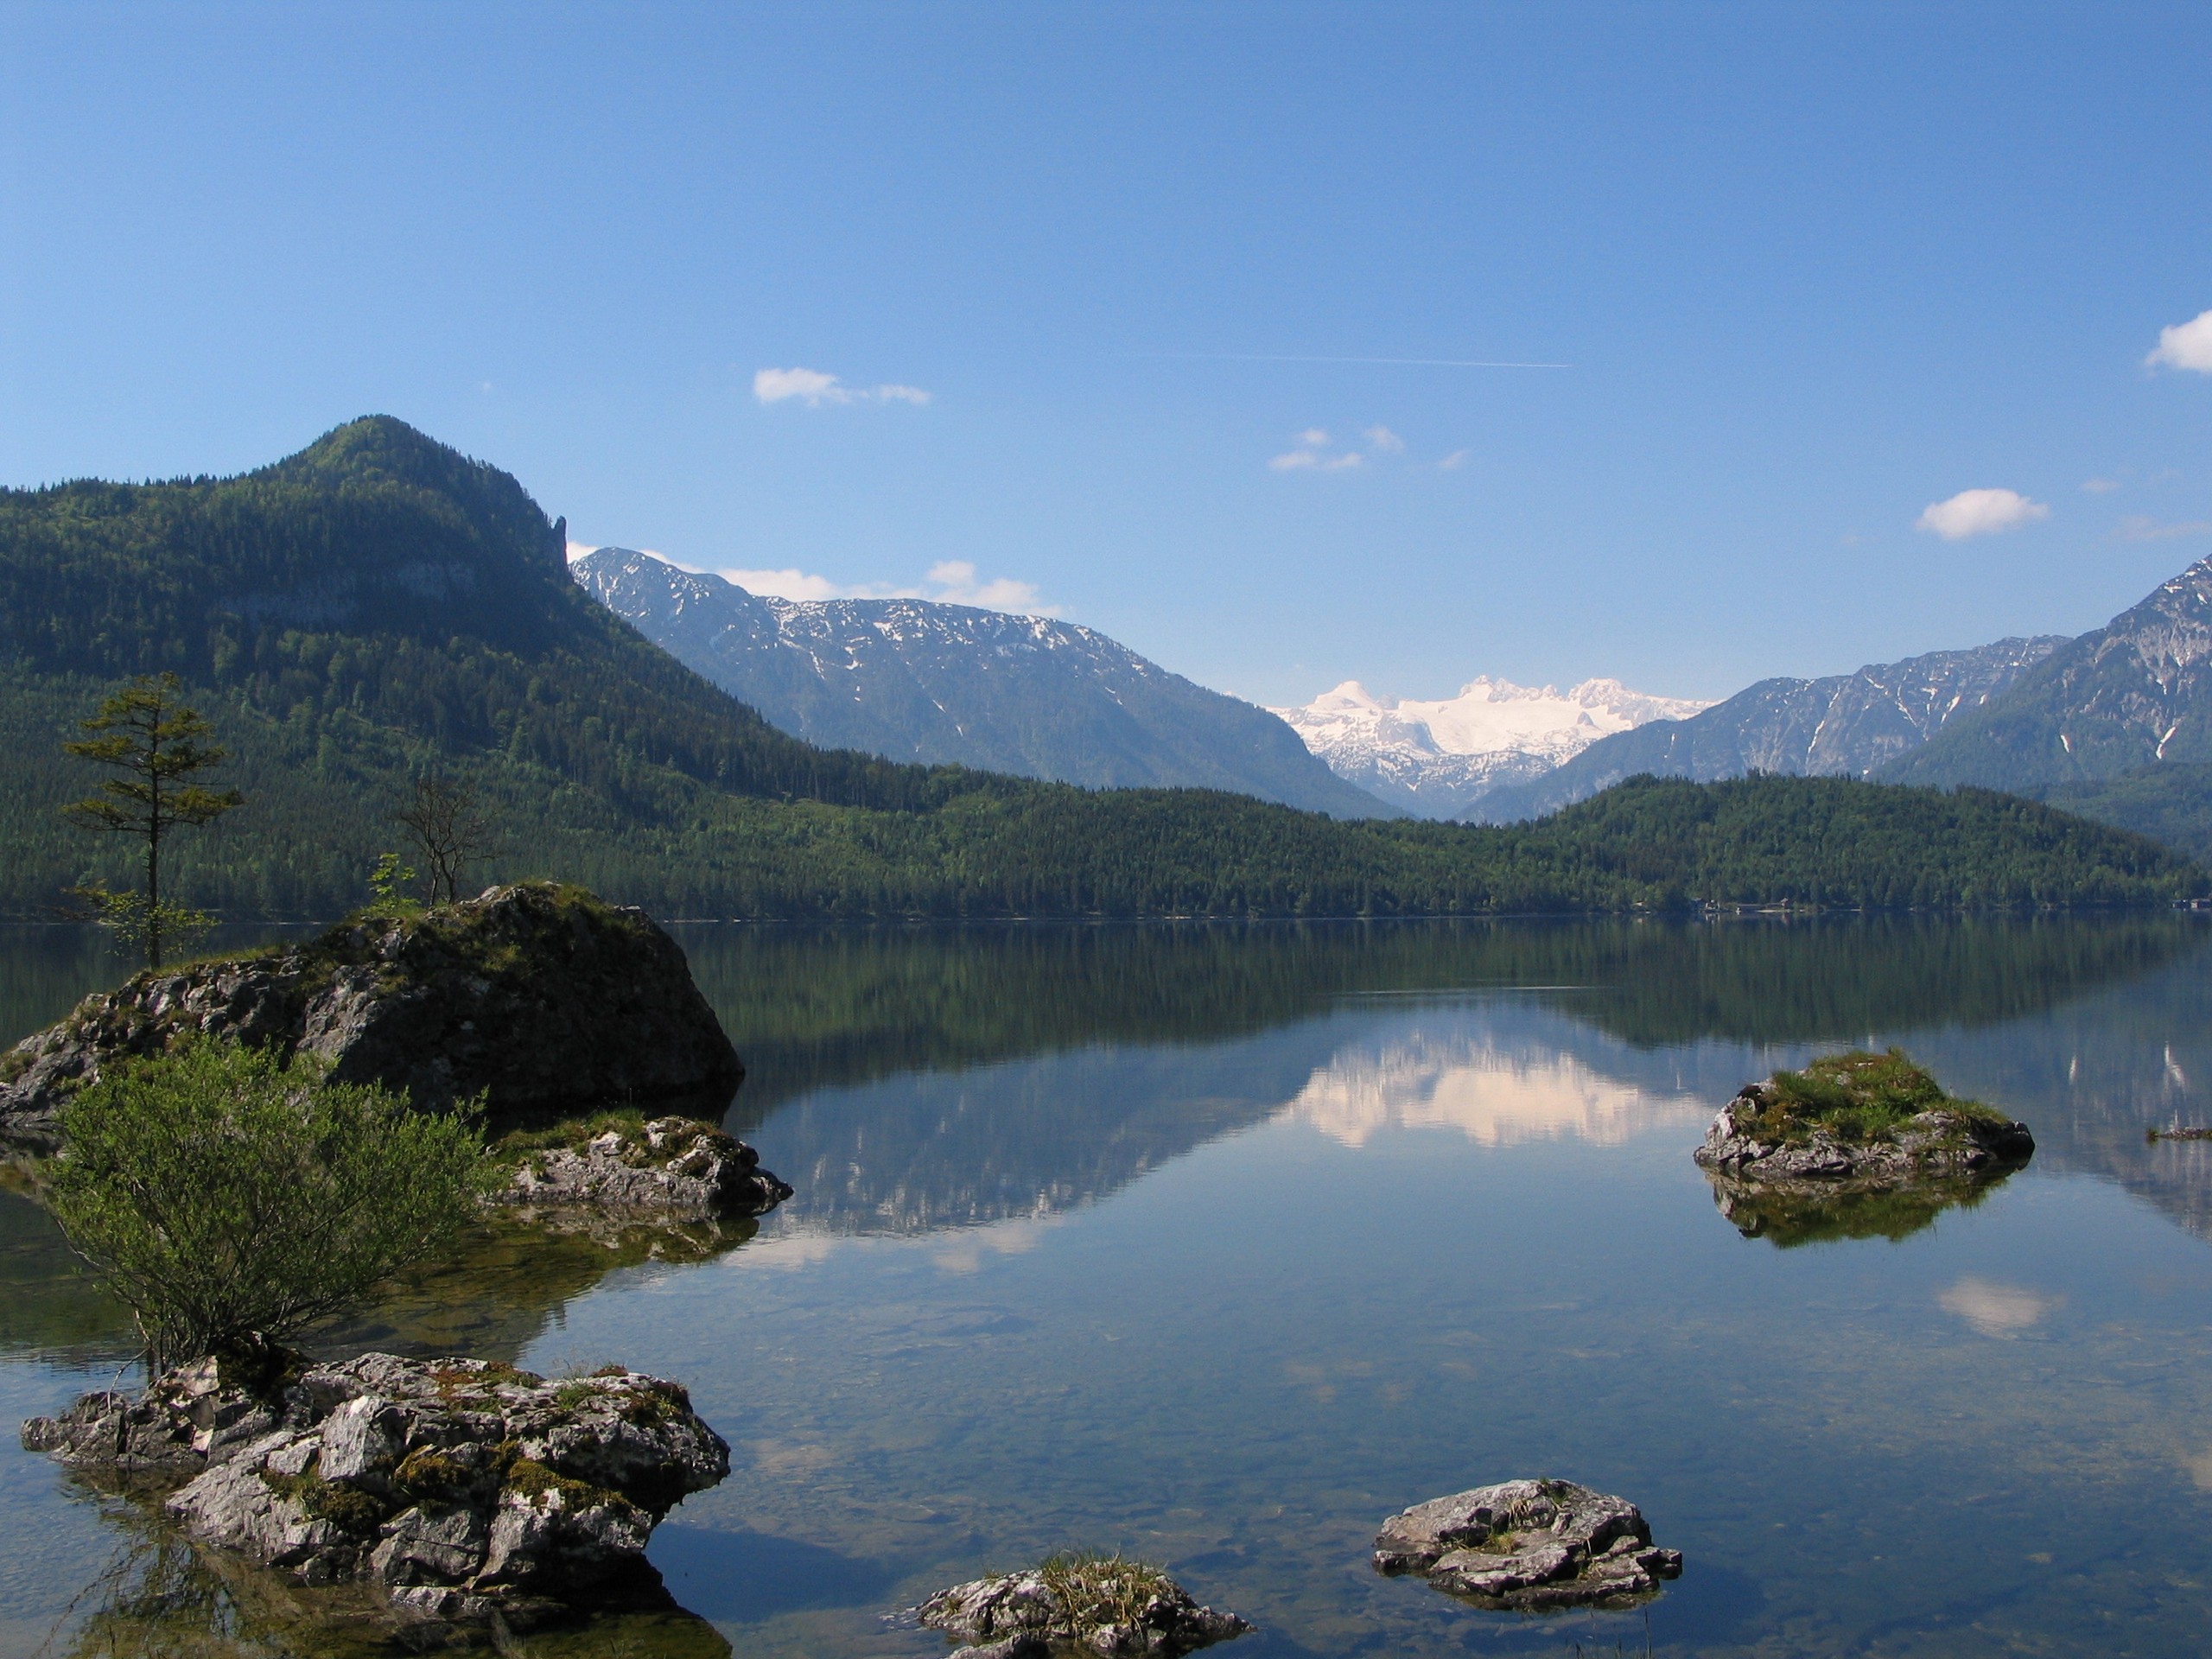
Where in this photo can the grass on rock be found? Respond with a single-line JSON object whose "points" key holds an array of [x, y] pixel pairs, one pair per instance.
{"points": [[1856, 1096]]}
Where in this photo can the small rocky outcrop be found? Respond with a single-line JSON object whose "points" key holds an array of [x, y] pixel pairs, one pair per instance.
{"points": [[670, 1165], [1857, 1121], [1099, 1605], [467, 1491], [541, 997], [1537, 1545]]}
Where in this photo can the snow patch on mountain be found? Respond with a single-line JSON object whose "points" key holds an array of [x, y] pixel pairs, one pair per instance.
{"points": [[1440, 757]]}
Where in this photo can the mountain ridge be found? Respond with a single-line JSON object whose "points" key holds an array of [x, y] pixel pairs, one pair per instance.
{"points": [[378, 608], [1840, 725], [923, 681]]}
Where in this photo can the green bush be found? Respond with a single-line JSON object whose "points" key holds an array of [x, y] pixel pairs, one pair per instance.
{"points": [[231, 1198]]}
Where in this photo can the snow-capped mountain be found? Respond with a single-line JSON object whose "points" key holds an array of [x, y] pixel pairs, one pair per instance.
{"points": [[1439, 758], [920, 680], [1845, 725]]}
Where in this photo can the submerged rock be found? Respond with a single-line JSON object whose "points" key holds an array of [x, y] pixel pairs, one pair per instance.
{"points": [[1099, 1605], [1531, 1544], [542, 997], [670, 1165], [465, 1489]]}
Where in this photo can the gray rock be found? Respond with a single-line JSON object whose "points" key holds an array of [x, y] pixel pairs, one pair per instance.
{"points": [[1123, 1609], [1939, 1143], [670, 1165], [463, 1489], [1537, 1545], [541, 997]]}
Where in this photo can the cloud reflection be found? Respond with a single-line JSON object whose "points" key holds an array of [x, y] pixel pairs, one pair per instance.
{"points": [[1996, 1310], [1493, 1096]]}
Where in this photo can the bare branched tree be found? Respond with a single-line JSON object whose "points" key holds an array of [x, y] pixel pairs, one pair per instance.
{"points": [[451, 828]]}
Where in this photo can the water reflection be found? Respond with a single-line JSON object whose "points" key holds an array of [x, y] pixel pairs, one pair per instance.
{"points": [[1793, 1215], [161, 1596], [1495, 1094], [812, 1008]]}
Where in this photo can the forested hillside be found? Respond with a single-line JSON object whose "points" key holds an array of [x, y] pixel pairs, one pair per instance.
{"points": [[378, 606]]}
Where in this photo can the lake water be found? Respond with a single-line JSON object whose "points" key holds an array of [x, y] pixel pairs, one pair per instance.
{"points": [[1218, 1245]]}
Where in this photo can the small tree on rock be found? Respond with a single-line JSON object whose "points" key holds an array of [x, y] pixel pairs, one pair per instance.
{"points": [[229, 1198], [157, 744], [451, 828]]}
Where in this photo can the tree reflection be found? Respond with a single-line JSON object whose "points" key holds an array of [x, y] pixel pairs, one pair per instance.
{"points": [[1789, 1214]]}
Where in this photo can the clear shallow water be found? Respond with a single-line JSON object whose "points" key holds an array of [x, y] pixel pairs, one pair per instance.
{"points": [[1217, 1245]]}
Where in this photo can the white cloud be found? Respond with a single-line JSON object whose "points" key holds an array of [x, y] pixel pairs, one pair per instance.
{"points": [[814, 389], [1981, 512], [2100, 486], [578, 549], [793, 583], [1383, 442], [954, 581], [2184, 345], [1454, 461], [1308, 456]]}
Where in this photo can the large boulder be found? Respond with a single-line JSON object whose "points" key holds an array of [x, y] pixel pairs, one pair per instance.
{"points": [[1534, 1545], [467, 1490], [542, 997]]}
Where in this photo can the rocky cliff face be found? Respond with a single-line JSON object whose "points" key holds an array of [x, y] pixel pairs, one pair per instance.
{"points": [[2135, 694], [540, 997]]}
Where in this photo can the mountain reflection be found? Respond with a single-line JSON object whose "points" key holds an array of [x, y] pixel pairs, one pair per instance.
{"points": [[1494, 1093], [812, 1008], [991, 1075]]}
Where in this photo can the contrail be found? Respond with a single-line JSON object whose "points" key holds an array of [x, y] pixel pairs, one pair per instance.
{"points": [[1401, 362]]}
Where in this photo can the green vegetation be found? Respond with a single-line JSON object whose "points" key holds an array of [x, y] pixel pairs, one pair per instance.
{"points": [[379, 610], [154, 742], [1095, 1590], [1855, 1097], [229, 1198]]}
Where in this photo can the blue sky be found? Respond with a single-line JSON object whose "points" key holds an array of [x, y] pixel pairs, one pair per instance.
{"points": [[1812, 269]]}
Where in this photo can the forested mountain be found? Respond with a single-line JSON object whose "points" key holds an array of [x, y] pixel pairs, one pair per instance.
{"points": [[378, 606], [1845, 725], [916, 680]]}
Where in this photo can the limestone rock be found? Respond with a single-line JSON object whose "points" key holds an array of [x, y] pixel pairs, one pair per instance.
{"points": [[671, 1165], [462, 1488], [1102, 1605], [1536, 1545], [542, 996]]}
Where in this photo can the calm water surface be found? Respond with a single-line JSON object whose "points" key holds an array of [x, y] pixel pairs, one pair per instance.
{"points": [[1218, 1245]]}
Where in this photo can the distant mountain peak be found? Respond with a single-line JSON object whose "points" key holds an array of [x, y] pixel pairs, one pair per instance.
{"points": [[1439, 757]]}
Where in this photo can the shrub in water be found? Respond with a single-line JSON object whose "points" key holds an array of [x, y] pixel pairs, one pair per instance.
{"points": [[229, 1198]]}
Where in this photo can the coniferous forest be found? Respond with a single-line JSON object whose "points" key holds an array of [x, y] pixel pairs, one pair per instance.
{"points": [[379, 608]]}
